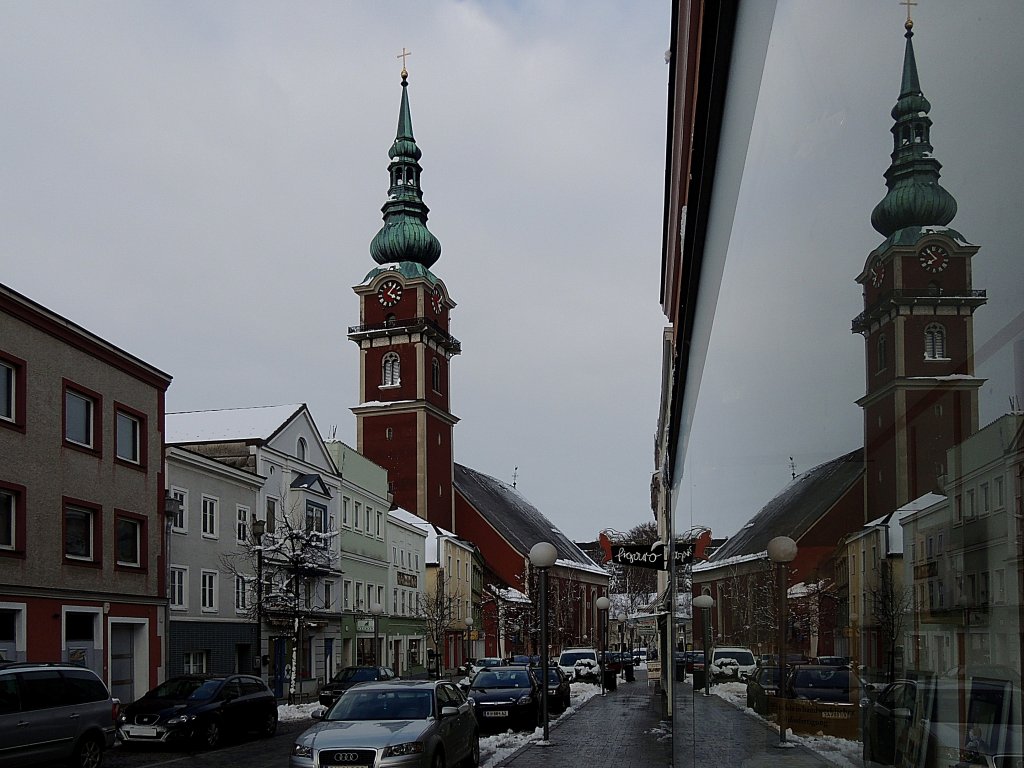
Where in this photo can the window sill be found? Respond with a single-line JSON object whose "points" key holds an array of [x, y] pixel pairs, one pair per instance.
{"points": [[128, 464], [390, 386], [17, 552], [130, 568], [211, 536], [938, 359], [14, 426], [81, 562], [83, 449]]}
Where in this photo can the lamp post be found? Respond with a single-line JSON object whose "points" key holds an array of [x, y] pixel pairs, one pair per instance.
{"points": [[172, 506], [376, 609], [468, 621], [782, 551], [259, 527], [543, 556], [705, 603], [602, 604]]}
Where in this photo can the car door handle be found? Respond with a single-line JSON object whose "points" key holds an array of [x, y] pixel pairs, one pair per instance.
{"points": [[73, 716], [22, 723]]}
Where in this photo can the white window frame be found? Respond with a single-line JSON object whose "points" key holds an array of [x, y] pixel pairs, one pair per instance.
{"points": [[344, 511], [380, 520], [136, 436], [241, 594], [195, 662], [179, 587], [935, 342], [317, 513], [9, 507], [358, 596], [329, 594], [210, 524], [9, 404], [91, 427], [208, 589], [391, 370], [346, 595], [242, 515], [181, 495], [139, 543], [91, 538]]}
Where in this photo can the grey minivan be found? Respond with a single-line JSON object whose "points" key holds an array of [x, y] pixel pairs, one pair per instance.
{"points": [[54, 713]]}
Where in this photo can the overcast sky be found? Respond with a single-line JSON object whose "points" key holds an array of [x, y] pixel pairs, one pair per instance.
{"points": [[199, 182]]}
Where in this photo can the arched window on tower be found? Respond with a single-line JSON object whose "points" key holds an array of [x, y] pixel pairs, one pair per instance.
{"points": [[435, 375], [883, 353], [934, 342], [918, 134], [392, 374]]}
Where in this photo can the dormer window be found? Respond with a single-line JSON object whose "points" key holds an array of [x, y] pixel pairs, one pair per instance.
{"points": [[392, 372]]}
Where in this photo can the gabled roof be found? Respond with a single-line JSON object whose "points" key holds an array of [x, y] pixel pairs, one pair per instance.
{"points": [[797, 507], [311, 482], [519, 522], [229, 424]]}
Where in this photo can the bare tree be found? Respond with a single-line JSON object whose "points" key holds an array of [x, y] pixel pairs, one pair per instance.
{"points": [[439, 609], [890, 602]]}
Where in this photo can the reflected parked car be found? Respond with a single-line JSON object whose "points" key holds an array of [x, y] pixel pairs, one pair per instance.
{"points": [[410, 723], [200, 708], [886, 722], [830, 684], [348, 677], [761, 686], [505, 697], [558, 687]]}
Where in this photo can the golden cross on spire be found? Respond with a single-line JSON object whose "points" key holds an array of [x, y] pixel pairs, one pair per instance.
{"points": [[404, 54], [907, 3]]}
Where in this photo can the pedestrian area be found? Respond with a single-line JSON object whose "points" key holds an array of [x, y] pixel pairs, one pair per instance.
{"points": [[624, 729]]}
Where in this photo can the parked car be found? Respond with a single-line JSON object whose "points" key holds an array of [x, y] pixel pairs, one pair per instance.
{"points": [[586, 658], [815, 682], [410, 723], [731, 663], [617, 661], [479, 664], [202, 709], [558, 687], [829, 661], [639, 656], [348, 677], [505, 697], [762, 685], [529, 661], [693, 658], [54, 713]]}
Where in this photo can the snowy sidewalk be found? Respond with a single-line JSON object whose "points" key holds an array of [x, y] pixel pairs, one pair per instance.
{"points": [[622, 729]]}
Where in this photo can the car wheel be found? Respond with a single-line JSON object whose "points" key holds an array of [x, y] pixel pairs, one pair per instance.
{"points": [[209, 734], [89, 752], [439, 761], [269, 724], [473, 759]]}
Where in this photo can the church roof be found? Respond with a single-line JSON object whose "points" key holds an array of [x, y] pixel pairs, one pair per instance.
{"points": [[516, 519], [796, 508]]}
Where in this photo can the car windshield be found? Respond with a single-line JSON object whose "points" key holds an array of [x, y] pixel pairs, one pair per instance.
{"points": [[355, 675], [769, 676], [505, 678], [357, 704], [831, 679], [743, 658], [186, 688], [568, 659], [552, 675]]}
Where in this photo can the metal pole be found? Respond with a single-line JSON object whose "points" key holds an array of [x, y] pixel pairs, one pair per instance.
{"points": [[782, 652], [544, 647], [376, 640], [707, 651], [259, 606]]}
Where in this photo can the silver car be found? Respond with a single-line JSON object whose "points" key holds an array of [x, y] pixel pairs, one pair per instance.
{"points": [[392, 724]]}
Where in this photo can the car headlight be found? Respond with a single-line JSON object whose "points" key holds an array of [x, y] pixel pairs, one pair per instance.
{"points": [[408, 748], [180, 719], [301, 750], [522, 700]]}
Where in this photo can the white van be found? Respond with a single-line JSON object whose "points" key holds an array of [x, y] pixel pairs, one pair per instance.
{"points": [[580, 663], [731, 663]]}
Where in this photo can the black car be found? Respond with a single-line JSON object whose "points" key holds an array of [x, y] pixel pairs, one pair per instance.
{"points": [[505, 697], [201, 709], [761, 685], [824, 683], [887, 720], [348, 677], [558, 687]]}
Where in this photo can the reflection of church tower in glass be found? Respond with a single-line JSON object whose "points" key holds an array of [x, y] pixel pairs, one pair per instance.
{"points": [[922, 396], [403, 420]]}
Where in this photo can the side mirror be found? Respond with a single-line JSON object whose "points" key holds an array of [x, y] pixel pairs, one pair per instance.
{"points": [[901, 713], [319, 713], [449, 711]]}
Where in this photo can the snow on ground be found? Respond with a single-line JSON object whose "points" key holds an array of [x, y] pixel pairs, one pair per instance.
{"points": [[493, 749], [841, 752]]}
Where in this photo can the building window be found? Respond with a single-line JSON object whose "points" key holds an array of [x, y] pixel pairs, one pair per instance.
{"points": [[435, 375], [883, 357], [130, 538], [346, 594], [357, 507], [369, 520], [392, 373], [12, 392], [12, 519], [195, 662], [210, 522], [242, 524], [271, 515], [358, 595], [934, 342], [970, 503], [380, 596], [328, 595], [997, 493], [81, 423], [380, 517], [394, 555], [82, 533], [344, 511], [300, 449], [984, 498], [179, 587], [130, 437], [179, 523], [241, 594], [315, 516], [208, 591]]}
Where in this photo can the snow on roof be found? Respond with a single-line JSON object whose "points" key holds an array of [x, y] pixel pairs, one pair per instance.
{"points": [[509, 594], [229, 424], [407, 517], [734, 560]]}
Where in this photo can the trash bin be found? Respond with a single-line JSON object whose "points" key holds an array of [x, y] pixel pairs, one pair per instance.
{"points": [[630, 677], [610, 680], [698, 678]]}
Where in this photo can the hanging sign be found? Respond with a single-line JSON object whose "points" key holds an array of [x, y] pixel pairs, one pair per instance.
{"points": [[653, 556]]}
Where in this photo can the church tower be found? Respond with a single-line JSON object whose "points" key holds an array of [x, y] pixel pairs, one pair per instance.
{"points": [[921, 393], [403, 421]]}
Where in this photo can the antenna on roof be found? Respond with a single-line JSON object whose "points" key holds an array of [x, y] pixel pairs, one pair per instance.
{"points": [[515, 476], [334, 431], [792, 468]]}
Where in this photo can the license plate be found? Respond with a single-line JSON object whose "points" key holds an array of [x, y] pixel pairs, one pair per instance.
{"points": [[141, 730], [496, 713]]}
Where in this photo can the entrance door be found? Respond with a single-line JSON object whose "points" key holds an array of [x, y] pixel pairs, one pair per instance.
{"points": [[280, 652], [397, 656], [122, 662]]}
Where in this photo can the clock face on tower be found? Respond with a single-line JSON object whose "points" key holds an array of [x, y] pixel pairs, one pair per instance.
{"points": [[389, 293], [436, 301], [934, 258], [877, 274]]}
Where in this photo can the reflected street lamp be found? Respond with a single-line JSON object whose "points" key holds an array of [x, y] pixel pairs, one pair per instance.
{"points": [[542, 556], [468, 621], [602, 604], [706, 603], [376, 609], [782, 551], [259, 527]]}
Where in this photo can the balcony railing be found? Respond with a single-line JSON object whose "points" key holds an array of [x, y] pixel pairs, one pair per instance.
{"points": [[910, 296], [408, 324]]}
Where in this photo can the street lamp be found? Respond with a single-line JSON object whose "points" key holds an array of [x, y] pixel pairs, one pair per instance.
{"points": [[172, 507], [259, 527], [543, 556], [468, 621], [706, 603], [602, 604], [376, 609], [782, 551]]}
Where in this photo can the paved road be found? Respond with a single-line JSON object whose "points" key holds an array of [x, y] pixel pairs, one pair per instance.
{"points": [[251, 753]]}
